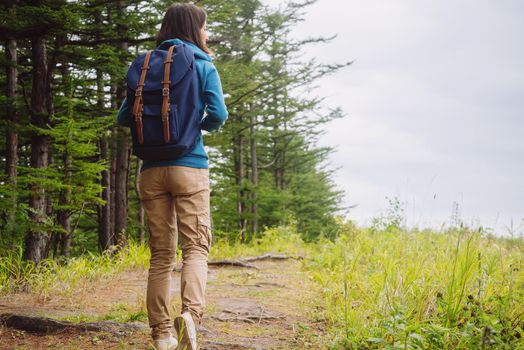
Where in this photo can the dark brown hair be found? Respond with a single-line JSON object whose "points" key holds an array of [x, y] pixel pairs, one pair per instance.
{"points": [[183, 21]]}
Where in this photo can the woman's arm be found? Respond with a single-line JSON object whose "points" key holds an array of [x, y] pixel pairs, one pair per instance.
{"points": [[123, 114], [216, 110]]}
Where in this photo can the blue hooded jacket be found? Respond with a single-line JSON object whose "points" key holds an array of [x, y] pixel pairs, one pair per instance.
{"points": [[211, 102]]}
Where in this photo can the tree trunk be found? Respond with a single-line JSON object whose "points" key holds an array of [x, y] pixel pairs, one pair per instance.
{"points": [[37, 238], [50, 107], [49, 205], [283, 184], [112, 186], [254, 176], [11, 147], [141, 217], [104, 210], [283, 167], [55, 239], [239, 173], [11, 140], [121, 185], [113, 152], [276, 171], [64, 216], [122, 154]]}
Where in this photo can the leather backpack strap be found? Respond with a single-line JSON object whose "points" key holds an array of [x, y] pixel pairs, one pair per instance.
{"points": [[165, 93], [138, 107]]}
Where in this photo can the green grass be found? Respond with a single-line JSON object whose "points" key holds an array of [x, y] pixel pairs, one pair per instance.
{"points": [[420, 290], [120, 312], [377, 289], [277, 240], [50, 277]]}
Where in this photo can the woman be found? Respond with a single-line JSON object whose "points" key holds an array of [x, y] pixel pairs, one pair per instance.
{"points": [[175, 194]]}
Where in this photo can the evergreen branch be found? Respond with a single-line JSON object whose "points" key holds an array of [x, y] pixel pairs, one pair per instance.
{"points": [[95, 42]]}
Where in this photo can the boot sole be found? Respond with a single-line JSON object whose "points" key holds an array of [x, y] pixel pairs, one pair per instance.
{"points": [[184, 340]]}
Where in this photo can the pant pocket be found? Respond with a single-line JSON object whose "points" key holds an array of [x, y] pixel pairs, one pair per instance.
{"points": [[204, 231]]}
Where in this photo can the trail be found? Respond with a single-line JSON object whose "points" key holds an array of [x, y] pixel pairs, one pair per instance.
{"points": [[246, 309]]}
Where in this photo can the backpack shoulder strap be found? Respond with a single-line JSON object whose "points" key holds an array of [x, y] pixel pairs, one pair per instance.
{"points": [[138, 107], [165, 93]]}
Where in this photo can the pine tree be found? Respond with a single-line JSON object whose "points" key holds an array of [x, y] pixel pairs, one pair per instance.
{"points": [[68, 166], [263, 73]]}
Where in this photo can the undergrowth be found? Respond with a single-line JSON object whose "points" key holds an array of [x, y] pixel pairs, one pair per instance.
{"points": [[50, 277], [377, 288], [394, 289]]}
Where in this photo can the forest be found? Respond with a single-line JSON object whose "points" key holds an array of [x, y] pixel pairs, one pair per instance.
{"points": [[288, 269], [69, 182]]}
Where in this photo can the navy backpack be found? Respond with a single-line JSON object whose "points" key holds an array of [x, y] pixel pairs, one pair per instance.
{"points": [[162, 90]]}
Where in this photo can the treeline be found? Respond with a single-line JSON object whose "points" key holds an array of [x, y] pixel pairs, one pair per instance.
{"points": [[69, 182]]}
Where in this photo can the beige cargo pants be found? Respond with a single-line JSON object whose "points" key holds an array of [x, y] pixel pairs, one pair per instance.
{"points": [[176, 203]]}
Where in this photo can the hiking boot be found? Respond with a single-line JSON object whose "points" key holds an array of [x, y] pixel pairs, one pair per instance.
{"points": [[185, 327], [169, 343]]}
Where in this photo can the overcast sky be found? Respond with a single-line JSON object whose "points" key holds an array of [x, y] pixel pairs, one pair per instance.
{"points": [[434, 104]]}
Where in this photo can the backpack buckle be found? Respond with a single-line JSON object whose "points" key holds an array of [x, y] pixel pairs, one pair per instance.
{"points": [[165, 92], [138, 93]]}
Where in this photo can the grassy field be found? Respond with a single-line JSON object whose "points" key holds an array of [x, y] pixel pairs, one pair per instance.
{"points": [[421, 290], [387, 289]]}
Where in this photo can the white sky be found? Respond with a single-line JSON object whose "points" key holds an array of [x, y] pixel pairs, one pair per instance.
{"points": [[434, 104]]}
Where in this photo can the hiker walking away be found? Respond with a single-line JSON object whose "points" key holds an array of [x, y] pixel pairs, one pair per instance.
{"points": [[174, 92]]}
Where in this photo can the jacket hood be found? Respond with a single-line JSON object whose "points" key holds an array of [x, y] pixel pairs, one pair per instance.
{"points": [[199, 53]]}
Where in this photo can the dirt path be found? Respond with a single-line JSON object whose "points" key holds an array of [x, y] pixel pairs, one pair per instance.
{"points": [[247, 309]]}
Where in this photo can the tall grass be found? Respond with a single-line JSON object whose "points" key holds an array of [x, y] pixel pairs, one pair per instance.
{"points": [[50, 277], [377, 289], [278, 240], [421, 290]]}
